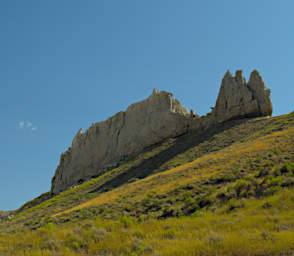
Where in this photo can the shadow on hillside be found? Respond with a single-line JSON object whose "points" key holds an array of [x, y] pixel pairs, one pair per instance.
{"points": [[182, 144]]}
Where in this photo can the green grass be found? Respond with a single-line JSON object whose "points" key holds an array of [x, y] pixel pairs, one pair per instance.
{"points": [[196, 194], [208, 181], [259, 227]]}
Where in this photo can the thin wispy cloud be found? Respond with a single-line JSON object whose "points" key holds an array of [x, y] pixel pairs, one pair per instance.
{"points": [[21, 124], [27, 125]]}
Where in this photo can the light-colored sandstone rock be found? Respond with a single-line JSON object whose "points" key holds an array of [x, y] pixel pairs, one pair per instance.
{"points": [[106, 144], [260, 93], [126, 133], [237, 99]]}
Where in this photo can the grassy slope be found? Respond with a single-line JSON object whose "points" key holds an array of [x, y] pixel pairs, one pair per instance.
{"points": [[260, 227], [208, 176]]}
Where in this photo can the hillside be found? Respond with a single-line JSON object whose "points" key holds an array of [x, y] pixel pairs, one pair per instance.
{"points": [[227, 190]]}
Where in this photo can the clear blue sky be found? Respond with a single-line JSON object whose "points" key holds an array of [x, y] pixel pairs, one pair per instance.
{"points": [[66, 64]]}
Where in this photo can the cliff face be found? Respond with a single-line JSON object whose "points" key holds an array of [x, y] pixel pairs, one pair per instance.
{"points": [[239, 99], [109, 142], [106, 144]]}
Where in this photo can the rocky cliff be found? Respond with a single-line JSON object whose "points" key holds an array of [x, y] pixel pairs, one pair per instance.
{"points": [[239, 99], [106, 144]]}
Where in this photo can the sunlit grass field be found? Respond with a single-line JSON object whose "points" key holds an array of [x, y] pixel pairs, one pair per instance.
{"points": [[260, 227], [230, 193]]}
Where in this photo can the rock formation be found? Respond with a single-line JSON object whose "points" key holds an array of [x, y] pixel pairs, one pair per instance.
{"points": [[237, 99], [126, 133], [106, 144]]}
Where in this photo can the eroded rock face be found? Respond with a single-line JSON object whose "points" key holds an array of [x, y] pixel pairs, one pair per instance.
{"points": [[239, 99], [260, 93], [106, 144], [126, 133]]}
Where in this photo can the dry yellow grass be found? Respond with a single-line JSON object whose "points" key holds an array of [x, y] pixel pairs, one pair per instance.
{"points": [[254, 227], [251, 231], [201, 168]]}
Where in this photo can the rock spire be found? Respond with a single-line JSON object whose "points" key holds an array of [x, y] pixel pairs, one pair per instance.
{"points": [[238, 99]]}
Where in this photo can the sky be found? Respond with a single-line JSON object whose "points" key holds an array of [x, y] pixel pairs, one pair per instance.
{"points": [[65, 64]]}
